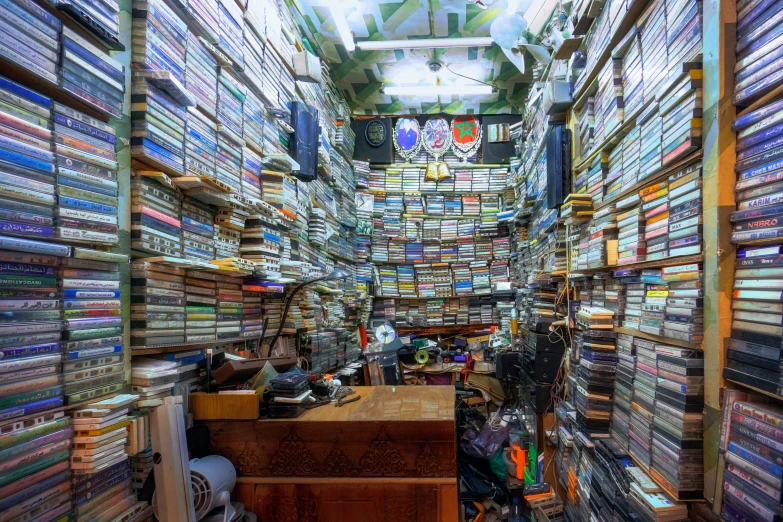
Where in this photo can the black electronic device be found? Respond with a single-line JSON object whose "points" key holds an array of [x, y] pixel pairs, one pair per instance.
{"points": [[373, 140], [499, 152], [304, 145], [558, 164], [507, 365]]}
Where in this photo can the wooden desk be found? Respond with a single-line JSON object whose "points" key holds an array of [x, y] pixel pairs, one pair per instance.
{"points": [[391, 456]]}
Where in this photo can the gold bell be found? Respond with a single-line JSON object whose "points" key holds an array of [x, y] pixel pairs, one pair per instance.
{"points": [[432, 172], [443, 171]]}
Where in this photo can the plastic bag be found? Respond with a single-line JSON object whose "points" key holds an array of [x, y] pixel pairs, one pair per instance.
{"points": [[485, 443]]}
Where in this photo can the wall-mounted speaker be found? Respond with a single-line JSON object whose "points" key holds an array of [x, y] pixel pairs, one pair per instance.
{"points": [[498, 152], [373, 140]]}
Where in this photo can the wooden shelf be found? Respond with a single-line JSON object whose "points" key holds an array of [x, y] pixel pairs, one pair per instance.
{"points": [[757, 390], [657, 263], [434, 298], [657, 338], [454, 329], [649, 180], [424, 165], [436, 192]]}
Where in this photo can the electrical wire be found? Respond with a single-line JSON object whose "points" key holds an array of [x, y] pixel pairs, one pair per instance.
{"points": [[468, 77]]}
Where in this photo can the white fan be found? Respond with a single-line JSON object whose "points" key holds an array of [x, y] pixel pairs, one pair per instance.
{"points": [[507, 31], [212, 479]]}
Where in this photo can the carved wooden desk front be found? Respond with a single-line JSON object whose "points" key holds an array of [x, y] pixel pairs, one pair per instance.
{"points": [[389, 457]]}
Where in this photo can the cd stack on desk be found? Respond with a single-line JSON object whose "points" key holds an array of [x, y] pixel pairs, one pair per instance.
{"points": [[92, 298], [90, 74], [155, 217], [643, 402], [200, 307], [158, 128], [158, 295], [159, 39], [87, 178], [678, 446], [201, 75], [200, 144], [752, 488], [33, 41], [35, 464]]}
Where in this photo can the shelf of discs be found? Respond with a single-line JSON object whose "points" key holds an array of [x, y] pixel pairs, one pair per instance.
{"points": [[619, 260], [438, 247], [64, 424], [750, 435]]}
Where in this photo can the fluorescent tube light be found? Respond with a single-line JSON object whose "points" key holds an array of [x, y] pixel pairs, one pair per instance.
{"points": [[342, 25], [426, 43], [437, 90]]}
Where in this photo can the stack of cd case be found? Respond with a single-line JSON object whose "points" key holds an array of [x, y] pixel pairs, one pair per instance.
{"points": [[30, 334], [86, 178], [643, 402], [261, 242], [680, 107], [231, 22], [102, 18], [201, 75], [30, 38], [757, 312], [758, 67], [158, 128], [91, 75], [254, 120], [200, 144], [595, 380], [27, 191], [156, 210], [92, 303], [198, 230], [160, 38], [157, 314], [200, 296], [623, 389], [230, 307], [752, 487], [678, 445], [251, 174], [34, 459], [107, 429]]}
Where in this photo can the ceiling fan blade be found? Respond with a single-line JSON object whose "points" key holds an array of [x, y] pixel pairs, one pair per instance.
{"points": [[516, 58]]}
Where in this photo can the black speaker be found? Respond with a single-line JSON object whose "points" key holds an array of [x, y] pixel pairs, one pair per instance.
{"points": [[304, 145], [558, 165], [373, 140], [503, 151]]}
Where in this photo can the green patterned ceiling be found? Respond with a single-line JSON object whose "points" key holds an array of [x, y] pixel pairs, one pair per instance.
{"points": [[361, 74]]}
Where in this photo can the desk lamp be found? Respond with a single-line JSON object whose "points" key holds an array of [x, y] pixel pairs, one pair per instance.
{"points": [[331, 276]]}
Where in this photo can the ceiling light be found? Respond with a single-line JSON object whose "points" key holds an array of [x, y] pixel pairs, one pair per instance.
{"points": [[437, 90], [338, 15], [424, 43]]}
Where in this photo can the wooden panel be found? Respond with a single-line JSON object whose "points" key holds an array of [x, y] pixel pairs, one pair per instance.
{"points": [[365, 502], [370, 449], [719, 36]]}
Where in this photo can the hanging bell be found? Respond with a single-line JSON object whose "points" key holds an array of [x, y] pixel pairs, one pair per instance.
{"points": [[443, 171], [432, 172]]}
